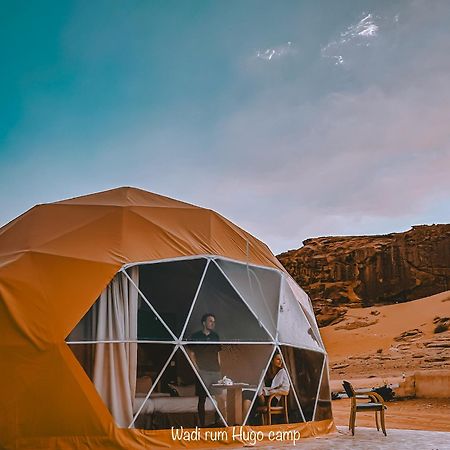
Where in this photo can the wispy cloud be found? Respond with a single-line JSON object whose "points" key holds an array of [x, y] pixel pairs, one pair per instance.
{"points": [[272, 53], [359, 34]]}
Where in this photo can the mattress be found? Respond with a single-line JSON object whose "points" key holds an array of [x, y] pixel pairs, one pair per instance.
{"points": [[168, 405]]}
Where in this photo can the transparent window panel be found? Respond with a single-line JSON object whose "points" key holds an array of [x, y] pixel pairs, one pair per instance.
{"points": [[306, 306], [323, 408], [233, 319], [275, 380], [260, 288], [151, 358], [113, 369], [114, 315], [170, 287], [243, 364], [178, 400], [149, 326], [305, 367], [293, 327]]}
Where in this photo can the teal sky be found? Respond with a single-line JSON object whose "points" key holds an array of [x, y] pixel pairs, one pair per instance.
{"points": [[292, 118]]}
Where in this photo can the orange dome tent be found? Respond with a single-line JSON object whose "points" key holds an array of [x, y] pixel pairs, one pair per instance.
{"points": [[55, 261]]}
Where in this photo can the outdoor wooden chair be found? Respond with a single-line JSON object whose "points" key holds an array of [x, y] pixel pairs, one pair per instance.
{"points": [[376, 403], [267, 410]]}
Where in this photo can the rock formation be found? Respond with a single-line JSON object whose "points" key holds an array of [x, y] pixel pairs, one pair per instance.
{"points": [[338, 272]]}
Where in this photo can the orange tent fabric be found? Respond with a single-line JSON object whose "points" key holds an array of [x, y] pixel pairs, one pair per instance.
{"points": [[55, 260]]}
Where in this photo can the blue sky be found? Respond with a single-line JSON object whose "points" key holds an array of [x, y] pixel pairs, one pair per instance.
{"points": [[293, 118]]}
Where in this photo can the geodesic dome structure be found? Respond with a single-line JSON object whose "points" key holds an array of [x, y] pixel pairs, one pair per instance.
{"points": [[101, 298]]}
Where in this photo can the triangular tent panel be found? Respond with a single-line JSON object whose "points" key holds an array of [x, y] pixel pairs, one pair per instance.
{"points": [[294, 408], [305, 369], [306, 306], [170, 287], [259, 287], [323, 408], [121, 314], [293, 326], [244, 364], [152, 360], [234, 320]]}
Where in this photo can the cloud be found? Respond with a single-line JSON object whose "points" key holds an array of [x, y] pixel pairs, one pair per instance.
{"points": [[358, 160], [273, 53], [359, 34]]}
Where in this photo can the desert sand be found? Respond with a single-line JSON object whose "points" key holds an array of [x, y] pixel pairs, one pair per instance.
{"points": [[380, 344], [387, 341]]}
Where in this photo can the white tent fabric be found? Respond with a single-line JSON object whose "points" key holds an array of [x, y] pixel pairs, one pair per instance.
{"points": [[306, 307], [293, 327]]}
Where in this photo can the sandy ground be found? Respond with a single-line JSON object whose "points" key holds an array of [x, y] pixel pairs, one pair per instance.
{"points": [[369, 342], [370, 439], [370, 348], [415, 414]]}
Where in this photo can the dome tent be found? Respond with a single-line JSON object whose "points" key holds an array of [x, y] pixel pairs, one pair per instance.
{"points": [[57, 264]]}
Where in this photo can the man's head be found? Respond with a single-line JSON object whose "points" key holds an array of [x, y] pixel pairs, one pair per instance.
{"points": [[208, 322]]}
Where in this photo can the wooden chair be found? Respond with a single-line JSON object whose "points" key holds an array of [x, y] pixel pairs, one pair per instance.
{"points": [[376, 403], [267, 410]]}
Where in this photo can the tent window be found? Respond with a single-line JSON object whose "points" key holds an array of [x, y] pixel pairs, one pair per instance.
{"points": [[305, 369], [141, 344], [235, 321], [259, 287]]}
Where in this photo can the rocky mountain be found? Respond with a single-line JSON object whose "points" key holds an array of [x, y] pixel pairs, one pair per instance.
{"points": [[340, 272]]}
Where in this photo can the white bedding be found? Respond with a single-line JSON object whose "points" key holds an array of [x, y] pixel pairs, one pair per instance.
{"points": [[170, 405]]}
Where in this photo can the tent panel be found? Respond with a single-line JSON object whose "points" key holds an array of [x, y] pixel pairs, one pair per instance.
{"points": [[260, 288], [234, 321], [120, 314], [170, 288], [305, 368], [323, 408], [242, 363], [293, 327], [306, 306]]}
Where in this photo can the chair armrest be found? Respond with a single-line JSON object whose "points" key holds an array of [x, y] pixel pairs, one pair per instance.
{"points": [[374, 397], [278, 393], [377, 398]]}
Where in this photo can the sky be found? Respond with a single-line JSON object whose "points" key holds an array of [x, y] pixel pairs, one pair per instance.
{"points": [[294, 119]]}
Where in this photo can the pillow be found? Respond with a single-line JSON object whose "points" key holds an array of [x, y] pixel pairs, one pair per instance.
{"points": [[143, 385], [183, 391]]}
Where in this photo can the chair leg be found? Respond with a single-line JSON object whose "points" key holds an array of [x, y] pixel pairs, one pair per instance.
{"points": [[383, 426], [376, 420], [270, 417]]}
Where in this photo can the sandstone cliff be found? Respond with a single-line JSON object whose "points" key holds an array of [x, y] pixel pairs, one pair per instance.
{"points": [[370, 270]]}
